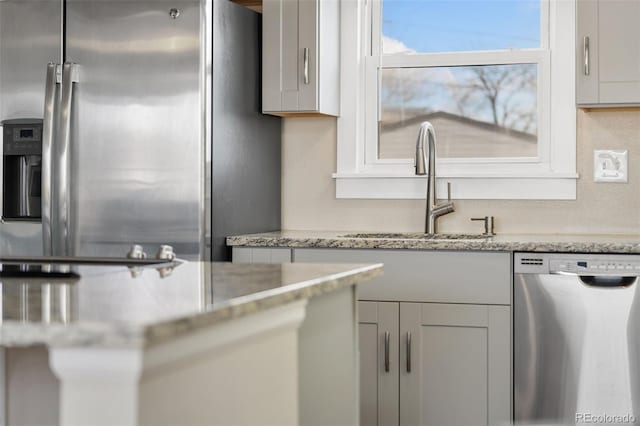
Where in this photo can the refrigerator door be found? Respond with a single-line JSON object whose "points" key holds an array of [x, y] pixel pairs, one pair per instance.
{"points": [[137, 126], [30, 38]]}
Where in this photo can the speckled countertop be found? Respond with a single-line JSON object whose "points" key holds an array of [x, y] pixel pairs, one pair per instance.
{"points": [[109, 307], [537, 243]]}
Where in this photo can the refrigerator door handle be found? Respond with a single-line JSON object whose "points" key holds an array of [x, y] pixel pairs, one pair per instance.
{"points": [[48, 128], [61, 234]]}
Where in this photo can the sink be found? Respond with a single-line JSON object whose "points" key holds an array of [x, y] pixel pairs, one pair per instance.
{"points": [[416, 236]]}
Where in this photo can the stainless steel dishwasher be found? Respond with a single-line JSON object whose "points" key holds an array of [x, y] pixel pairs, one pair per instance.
{"points": [[576, 339]]}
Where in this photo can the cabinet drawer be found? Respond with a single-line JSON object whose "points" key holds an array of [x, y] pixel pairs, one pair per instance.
{"points": [[427, 276], [261, 255]]}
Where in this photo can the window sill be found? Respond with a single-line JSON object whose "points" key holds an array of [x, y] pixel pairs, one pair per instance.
{"points": [[553, 186]]}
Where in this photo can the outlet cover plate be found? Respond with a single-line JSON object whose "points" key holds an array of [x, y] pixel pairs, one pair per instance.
{"points": [[610, 166]]}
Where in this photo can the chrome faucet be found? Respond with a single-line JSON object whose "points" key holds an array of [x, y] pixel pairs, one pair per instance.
{"points": [[426, 165]]}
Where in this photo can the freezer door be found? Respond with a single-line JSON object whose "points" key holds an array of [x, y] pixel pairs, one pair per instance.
{"points": [[576, 350], [137, 129], [30, 38]]}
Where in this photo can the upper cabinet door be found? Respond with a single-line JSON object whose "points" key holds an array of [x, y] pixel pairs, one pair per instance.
{"points": [[300, 68], [608, 52], [586, 52]]}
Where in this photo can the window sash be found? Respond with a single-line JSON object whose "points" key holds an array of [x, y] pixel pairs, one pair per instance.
{"points": [[374, 61], [453, 59], [480, 165], [374, 31]]}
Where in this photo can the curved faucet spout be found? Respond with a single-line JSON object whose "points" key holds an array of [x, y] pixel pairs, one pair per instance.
{"points": [[425, 164], [425, 149]]}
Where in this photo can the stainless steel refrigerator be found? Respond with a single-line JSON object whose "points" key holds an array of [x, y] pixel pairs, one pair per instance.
{"points": [[146, 114]]}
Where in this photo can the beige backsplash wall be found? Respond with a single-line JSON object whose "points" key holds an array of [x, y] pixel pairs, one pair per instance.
{"points": [[309, 203]]}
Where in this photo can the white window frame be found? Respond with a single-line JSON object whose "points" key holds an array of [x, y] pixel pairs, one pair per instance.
{"points": [[552, 175]]}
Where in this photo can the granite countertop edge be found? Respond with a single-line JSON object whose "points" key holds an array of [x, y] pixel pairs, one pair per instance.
{"points": [[529, 243], [257, 302], [135, 336]]}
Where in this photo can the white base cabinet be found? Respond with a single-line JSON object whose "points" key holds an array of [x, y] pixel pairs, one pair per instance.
{"points": [[434, 364], [434, 334]]}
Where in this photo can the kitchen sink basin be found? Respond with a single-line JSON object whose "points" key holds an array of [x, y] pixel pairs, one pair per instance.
{"points": [[416, 236]]}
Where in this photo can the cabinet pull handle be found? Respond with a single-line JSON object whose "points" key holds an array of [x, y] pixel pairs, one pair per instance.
{"points": [[408, 352], [585, 46], [387, 338], [305, 56]]}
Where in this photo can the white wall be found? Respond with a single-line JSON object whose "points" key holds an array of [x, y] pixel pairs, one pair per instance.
{"points": [[308, 191]]}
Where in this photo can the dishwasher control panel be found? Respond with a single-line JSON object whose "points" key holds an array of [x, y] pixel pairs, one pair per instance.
{"points": [[576, 264], [586, 267]]}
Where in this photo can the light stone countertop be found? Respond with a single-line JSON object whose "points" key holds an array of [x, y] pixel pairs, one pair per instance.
{"points": [[109, 307], [584, 243]]}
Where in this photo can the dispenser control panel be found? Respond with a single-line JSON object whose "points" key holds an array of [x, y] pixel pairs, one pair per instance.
{"points": [[22, 169], [22, 137]]}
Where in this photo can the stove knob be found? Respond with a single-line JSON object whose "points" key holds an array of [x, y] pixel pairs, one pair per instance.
{"points": [[136, 252], [165, 252]]}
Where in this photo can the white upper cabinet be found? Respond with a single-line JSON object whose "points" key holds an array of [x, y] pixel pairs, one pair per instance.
{"points": [[301, 57], [608, 53]]}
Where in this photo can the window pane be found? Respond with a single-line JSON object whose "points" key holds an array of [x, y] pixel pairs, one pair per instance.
{"points": [[477, 111], [424, 26]]}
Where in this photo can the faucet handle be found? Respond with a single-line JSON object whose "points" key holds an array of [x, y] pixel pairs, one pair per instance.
{"points": [[488, 224], [448, 192]]}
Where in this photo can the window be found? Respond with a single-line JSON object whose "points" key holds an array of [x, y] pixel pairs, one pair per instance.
{"points": [[494, 77]]}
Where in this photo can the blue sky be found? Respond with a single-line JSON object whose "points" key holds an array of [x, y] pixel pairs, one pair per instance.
{"points": [[455, 25]]}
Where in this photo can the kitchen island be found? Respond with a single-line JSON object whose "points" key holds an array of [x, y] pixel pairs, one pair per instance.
{"points": [[190, 343]]}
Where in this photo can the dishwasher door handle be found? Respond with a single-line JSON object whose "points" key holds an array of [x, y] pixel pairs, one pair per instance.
{"points": [[586, 274], [600, 280], [608, 281]]}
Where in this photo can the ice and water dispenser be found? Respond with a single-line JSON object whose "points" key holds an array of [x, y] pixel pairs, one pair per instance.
{"points": [[22, 169]]}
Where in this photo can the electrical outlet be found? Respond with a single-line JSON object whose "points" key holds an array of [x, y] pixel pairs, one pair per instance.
{"points": [[610, 166]]}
